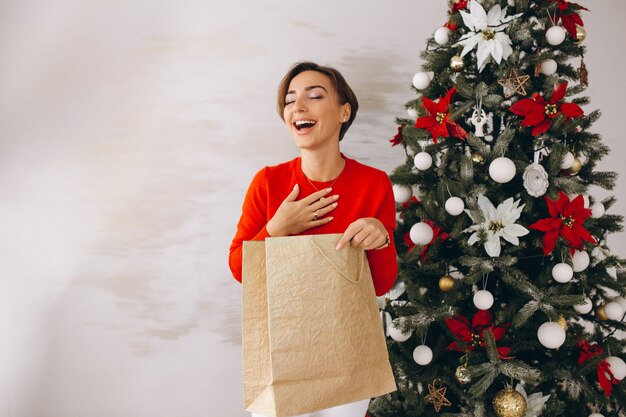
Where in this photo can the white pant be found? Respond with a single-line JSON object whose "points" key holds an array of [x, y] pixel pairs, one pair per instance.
{"points": [[357, 409]]}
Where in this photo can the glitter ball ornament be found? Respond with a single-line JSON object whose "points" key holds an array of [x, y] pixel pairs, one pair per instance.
{"points": [[597, 210], [402, 193], [581, 34], [509, 403], [580, 260], [442, 36], [454, 206], [423, 161], [421, 80], [562, 273], [456, 63], [585, 307], [422, 355], [502, 170], [483, 300], [600, 314], [478, 158], [421, 233], [613, 311], [549, 67], [555, 35], [446, 283], [551, 335], [618, 367], [462, 375]]}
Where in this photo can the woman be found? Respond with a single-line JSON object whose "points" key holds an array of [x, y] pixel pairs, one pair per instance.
{"points": [[322, 191]]}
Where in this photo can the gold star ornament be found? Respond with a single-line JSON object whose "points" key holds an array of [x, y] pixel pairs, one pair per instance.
{"points": [[514, 83], [437, 396]]}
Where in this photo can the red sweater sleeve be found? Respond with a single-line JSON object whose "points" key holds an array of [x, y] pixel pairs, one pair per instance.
{"points": [[384, 262], [252, 222]]}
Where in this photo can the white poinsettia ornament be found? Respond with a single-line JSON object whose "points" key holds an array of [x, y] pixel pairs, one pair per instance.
{"points": [[486, 30], [498, 223], [534, 402]]}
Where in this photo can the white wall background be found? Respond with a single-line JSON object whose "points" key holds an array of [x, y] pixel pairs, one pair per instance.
{"points": [[129, 132]]}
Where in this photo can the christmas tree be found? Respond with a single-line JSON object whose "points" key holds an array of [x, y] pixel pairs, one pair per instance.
{"points": [[508, 299]]}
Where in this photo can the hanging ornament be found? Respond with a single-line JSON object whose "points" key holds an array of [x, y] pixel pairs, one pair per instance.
{"points": [[618, 367], [437, 396], [597, 210], [600, 314], [412, 113], [548, 67], [402, 193], [421, 80], [456, 63], [442, 36], [462, 375], [528, 45], [514, 84], [509, 403], [479, 119], [478, 158], [422, 355], [583, 73], [423, 161], [580, 260], [562, 273], [421, 233], [535, 180], [621, 301], [454, 206], [446, 283], [555, 35], [396, 334], [613, 311], [581, 34], [551, 335], [574, 168], [585, 307], [483, 300], [568, 161], [502, 170]]}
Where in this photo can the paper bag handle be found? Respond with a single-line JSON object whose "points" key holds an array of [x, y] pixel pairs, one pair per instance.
{"points": [[339, 270]]}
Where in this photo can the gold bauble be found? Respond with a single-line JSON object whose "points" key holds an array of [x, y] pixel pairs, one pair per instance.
{"points": [[478, 158], [456, 63], [509, 403], [446, 283], [462, 375], [581, 34], [575, 168], [600, 314], [563, 322]]}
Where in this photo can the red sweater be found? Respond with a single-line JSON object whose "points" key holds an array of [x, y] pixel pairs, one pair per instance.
{"points": [[363, 192]]}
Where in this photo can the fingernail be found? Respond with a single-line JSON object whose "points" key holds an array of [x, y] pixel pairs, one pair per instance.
{"points": [[337, 248], [294, 187], [328, 190]]}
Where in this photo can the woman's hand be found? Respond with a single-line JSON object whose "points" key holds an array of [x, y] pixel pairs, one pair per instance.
{"points": [[293, 217], [367, 233]]}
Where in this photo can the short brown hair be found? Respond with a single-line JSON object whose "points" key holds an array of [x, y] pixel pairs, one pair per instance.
{"points": [[344, 92]]}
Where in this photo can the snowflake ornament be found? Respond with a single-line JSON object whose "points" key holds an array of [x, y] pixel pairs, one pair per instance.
{"points": [[486, 31], [498, 223]]}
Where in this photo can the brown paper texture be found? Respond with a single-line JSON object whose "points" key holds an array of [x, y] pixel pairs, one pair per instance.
{"points": [[312, 335]]}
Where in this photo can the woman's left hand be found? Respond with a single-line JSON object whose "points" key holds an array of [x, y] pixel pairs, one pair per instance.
{"points": [[367, 233]]}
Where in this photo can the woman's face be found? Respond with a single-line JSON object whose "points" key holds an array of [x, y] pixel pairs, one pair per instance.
{"points": [[312, 111]]}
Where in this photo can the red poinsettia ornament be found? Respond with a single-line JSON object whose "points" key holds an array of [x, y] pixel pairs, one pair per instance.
{"points": [[539, 113], [470, 336], [588, 351], [567, 218], [458, 5], [438, 122], [398, 138], [567, 13], [438, 233], [606, 379]]}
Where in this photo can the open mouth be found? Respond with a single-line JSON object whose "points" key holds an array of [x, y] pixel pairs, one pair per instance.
{"points": [[304, 124]]}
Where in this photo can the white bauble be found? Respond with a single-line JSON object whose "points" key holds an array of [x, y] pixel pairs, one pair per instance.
{"points": [[421, 233], [549, 67], [421, 80], [580, 260], [455, 206], [551, 335], [502, 170], [423, 161], [568, 160], [402, 193], [562, 273], [597, 210], [621, 301], [442, 36], [412, 113], [584, 308], [618, 367], [483, 300], [555, 35], [614, 311], [422, 355], [397, 335]]}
